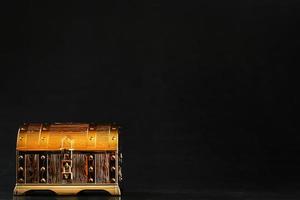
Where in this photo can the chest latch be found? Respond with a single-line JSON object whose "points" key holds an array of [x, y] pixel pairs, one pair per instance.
{"points": [[66, 164]]}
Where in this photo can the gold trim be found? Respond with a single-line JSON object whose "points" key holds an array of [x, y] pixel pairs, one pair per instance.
{"points": [[66, 189]]}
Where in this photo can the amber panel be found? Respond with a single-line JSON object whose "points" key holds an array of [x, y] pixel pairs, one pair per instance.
{"points": [[72, 127]]}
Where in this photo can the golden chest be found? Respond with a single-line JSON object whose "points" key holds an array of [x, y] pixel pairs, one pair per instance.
{"points": [[67, 158]]}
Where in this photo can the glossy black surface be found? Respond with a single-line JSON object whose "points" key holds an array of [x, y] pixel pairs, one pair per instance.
{"points": [[156, 195]]}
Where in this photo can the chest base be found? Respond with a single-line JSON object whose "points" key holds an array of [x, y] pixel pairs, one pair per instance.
{"points": [[21, 189]]}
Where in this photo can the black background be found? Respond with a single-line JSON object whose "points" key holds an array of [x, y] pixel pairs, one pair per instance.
{"points": [[205, 91]]}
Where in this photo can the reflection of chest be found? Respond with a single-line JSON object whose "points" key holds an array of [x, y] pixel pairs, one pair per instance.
{"points": [[67, 158]]}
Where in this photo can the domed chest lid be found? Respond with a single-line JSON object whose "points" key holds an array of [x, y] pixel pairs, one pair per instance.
{"points": [[72, 136]]}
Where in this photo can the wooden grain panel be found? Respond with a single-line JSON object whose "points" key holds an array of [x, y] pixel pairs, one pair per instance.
{"points": [[32, 168], [102, 164], [79, 168], [54, 168], [102, 168]]}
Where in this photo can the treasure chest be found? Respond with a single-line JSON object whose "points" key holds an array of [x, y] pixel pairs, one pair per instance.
{"points": [[68, 158]]}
